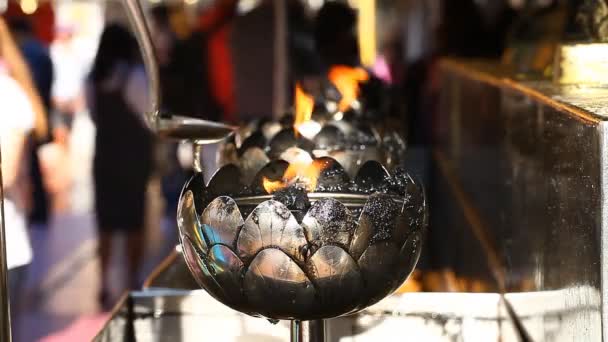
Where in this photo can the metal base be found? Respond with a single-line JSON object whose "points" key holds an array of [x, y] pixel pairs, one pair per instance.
{"points": [[308, 331]]}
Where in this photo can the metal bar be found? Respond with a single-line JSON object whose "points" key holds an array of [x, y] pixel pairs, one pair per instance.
{"points": [[307, 331], [142, 33], [5, 314]]}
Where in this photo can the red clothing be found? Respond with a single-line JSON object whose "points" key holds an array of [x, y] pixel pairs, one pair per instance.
{"points": [[216, 23], [43, 20]]}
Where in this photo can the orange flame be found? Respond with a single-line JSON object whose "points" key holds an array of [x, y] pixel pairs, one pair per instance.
{"points": [[347, 80], [304, 105], [304, 173]]}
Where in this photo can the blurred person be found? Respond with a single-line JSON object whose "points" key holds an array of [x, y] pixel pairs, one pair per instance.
{"points": [[56, 170], [18, 69], [17, 120], [70, 73], [39, 61], [123, 162]]}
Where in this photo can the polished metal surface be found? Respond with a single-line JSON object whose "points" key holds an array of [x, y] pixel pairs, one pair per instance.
{"points": [[350, 144], [169, 125], [137, 18], [332, 263], [308, 331], [524, 163], [195, 316]]}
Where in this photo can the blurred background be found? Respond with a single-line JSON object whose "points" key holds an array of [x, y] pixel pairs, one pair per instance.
{"points": [[79, 90]]}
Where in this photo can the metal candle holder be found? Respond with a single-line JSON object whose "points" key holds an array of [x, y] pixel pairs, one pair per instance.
{"points": [[347, 250], [344, 252], [347, 142]]}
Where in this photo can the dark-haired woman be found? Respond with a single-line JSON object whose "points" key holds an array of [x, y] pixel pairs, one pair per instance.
{"points": [[117, 95]]}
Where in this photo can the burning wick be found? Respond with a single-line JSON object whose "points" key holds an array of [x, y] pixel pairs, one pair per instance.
{"points": [[304, 105], [347, 80], [302, 171]]}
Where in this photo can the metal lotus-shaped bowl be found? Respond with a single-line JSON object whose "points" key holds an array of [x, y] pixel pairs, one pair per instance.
{"points": [[328, 264], [351, 145]]}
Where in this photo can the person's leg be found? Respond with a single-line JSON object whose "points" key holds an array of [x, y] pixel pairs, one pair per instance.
{"points": [[135, 251], [16, 281], [104, 251]]}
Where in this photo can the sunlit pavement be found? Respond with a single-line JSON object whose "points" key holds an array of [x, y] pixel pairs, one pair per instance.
{"points": [[63, 281]]}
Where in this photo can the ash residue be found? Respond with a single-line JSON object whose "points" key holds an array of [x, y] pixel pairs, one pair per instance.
{"points": [[293, 197], [333, 177], [399, 182], [337, 223], [359, 140], [382, 213]]}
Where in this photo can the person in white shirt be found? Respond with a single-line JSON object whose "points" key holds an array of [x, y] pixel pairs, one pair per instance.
{"points": [[16, 121]]}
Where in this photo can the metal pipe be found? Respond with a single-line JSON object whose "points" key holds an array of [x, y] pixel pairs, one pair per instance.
{"points": [[307, 331], [138, 19], [5, 314]]}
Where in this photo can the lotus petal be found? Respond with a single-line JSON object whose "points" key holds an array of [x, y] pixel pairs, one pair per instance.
{"points": [[333, 177], [227, 154], [328, 222], [270, 129], [271, 224], [277, 287], [348, 159], [256, 139], [378, 265], [343, 125], [381, 211], [329, 137], [226, 181], [197, 263], [361, 238], [253, 160], [273, 171], [285, 139], [221, 221], [226, 268], [188, 222], [415, 206], [337, 277], [372, 176], [196, 184], [408, 258], [296, 155], [369, 153], [410, 252]]}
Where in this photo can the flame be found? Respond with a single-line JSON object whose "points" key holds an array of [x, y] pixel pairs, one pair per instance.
{"points": [[304, 104], [299, 172], [347, 79]]}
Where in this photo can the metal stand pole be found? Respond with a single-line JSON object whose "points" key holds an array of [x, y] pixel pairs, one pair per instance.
{"points": [[5, 319], [308, 331]]}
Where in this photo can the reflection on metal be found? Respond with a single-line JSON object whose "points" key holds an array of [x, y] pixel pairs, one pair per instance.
{"points": [[531, 165], [581, 64], [307, 331]]}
